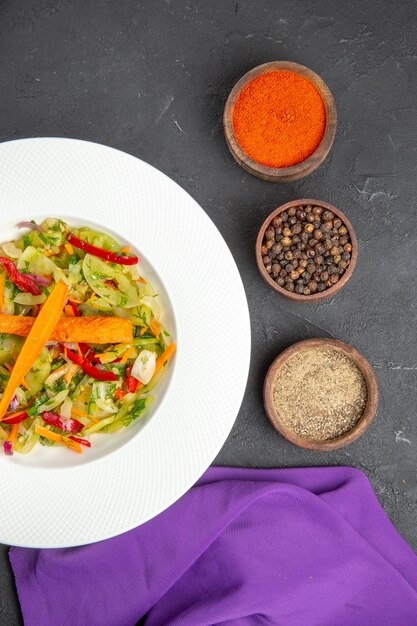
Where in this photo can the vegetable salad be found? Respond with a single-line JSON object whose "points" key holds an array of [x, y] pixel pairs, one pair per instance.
{"points": [[81, 345]]}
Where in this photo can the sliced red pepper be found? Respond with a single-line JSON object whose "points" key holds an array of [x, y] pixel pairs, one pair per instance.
{"points": [[83, 442], [107, 255], [24, 282], [120, 393], [16, 418], [89, 368], [131, 381], [70, 425], [74, 309]]}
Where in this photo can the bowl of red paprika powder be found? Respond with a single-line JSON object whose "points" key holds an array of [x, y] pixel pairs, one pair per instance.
{"points": [[280, 121]]}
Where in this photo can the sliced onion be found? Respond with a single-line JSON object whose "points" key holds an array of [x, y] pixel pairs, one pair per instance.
{"points": [[13, 404], [66, 408], [153, 303], [39, 279], [30, 225], [11, 250], [8, 448], [29, 299], [144, 367], [71, 346], [101, 393], [53, 377]]}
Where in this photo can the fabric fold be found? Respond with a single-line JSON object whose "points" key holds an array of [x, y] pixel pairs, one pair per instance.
{"points": [[294, 547]]}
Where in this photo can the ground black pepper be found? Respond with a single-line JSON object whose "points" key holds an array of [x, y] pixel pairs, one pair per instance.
{"points": [[319, 393]]}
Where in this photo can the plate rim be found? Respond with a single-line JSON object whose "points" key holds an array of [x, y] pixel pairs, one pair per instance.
{"points": [[245, 367]]}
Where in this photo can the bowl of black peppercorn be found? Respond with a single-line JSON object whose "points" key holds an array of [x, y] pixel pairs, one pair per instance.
{"points": [[306, 250]]}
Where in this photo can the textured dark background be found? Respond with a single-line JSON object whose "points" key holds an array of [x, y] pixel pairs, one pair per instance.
{"points": [[151, 78]]}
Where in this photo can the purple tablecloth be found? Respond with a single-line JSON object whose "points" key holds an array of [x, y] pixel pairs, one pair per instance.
{"points": [[294, 547]]}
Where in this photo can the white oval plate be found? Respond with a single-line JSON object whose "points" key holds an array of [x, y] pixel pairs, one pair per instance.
{"points": [[59, 500]]}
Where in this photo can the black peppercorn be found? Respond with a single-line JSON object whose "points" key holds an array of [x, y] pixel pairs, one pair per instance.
{"points": [[306, 249]]}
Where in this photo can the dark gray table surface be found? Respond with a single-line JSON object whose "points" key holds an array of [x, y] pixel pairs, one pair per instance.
{"points": [[151, 78]]}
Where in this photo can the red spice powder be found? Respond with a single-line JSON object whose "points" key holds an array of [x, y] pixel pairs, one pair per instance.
{"points": [[279, 119]]}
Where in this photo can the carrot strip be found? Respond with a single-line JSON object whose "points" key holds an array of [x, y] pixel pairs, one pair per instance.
{"points": [[167, 354], [69, 249], [142, 280], [154, 327], [87, 329], [14, 431], [105, 357], [80, 413], [143, 331], [49, 434], [68, 311], [125, 250], [127, 355], [69, 375], [2, 285], [39, 334], [72, 445]]}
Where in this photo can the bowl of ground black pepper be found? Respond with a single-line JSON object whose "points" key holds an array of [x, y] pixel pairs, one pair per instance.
{"points": [[321, 394], [280, 121], [306, 250]]}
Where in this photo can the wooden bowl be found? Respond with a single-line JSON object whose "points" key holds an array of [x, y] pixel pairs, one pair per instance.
{"points": [[315, 297], [294, 172], [360, 426]]}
